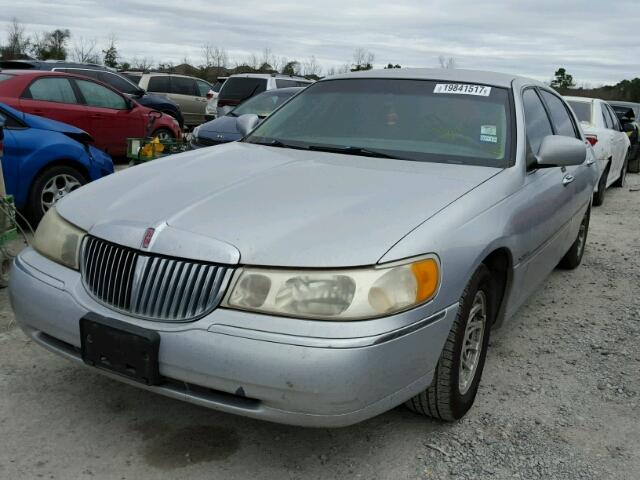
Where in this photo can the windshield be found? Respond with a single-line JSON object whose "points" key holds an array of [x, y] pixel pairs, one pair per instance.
{"points": [[263, 104], [417, 120]]}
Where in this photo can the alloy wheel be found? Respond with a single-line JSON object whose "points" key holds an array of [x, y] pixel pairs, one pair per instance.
{"points": [[472, 342], [56, 188]]}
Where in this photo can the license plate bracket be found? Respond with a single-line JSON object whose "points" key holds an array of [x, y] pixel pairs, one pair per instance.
{"points": [[121, 348]]}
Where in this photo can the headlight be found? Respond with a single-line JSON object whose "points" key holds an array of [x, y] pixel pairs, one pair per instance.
{"points": [[349, 294], [58, 240]]}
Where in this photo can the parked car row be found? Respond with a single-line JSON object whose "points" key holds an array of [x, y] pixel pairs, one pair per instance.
{"points": [[609, 140], [106, 114], [352, 252]]}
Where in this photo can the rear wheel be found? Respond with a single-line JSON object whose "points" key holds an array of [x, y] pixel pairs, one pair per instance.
{"points": [[623, 176], [573, 257], [459, 369], [51, 185], [163, 134], [598, 198]]}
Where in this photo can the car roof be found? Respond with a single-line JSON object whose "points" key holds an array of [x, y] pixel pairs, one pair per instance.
{"points": [[35, 73], [624, 104], [581, 99], [270, 75], [443, 74], [164, 74]]}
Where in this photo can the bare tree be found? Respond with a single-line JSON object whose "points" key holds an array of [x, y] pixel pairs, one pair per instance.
{"points": [[331, 71], [311, 68], [446, 62], [17, 42], [85, 51], [362, 60], [143, 64], [345, 68], [268, 59], [214, 57]]}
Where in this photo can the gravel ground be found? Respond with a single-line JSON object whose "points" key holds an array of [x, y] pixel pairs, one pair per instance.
{"points": [[559, 400]]}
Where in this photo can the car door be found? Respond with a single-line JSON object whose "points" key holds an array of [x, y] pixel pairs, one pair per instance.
{"points": [[111, 117], [577, 178], [547, 210], [184, 92], [620, 139], [205, 92], [611, 147], [55, 98]]}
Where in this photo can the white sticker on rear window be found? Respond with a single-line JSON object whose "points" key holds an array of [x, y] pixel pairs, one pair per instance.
{"points": [[462, 89]]}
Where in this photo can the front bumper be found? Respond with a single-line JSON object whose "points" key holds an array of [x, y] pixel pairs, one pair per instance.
{"points": [[218, 363]]}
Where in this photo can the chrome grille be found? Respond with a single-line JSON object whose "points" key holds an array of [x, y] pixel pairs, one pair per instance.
{"points": [[151, 286]]}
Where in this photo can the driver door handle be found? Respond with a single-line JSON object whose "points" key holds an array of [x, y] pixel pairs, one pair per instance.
{"points": [[568, 178]]}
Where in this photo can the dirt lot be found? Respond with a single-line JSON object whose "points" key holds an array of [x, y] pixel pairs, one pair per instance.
{"points": [[559, 399]]}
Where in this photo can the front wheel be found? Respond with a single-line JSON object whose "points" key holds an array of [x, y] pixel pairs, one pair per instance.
{"points": [[573, 257], [49, 187], [459, 369]]}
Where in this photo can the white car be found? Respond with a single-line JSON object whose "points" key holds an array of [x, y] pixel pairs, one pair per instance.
{"points": [[608, 139], [239, 87]]}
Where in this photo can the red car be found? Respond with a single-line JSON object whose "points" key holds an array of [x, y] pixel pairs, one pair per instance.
{"points": [[107, 115]]}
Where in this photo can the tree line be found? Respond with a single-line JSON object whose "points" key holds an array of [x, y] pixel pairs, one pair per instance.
{"points": [[625, 90]]}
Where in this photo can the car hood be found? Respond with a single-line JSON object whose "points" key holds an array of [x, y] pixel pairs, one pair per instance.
{"points": [[42, 123], [263, 205], [222, 125]]}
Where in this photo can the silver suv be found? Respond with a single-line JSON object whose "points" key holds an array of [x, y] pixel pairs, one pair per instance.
{"points": [[239, 87]]}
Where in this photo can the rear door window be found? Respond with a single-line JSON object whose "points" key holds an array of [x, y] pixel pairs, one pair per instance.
{"points": [[559, 115], [608, 121], [183, 86], [51, 90], [119, 83], [241, 88], [614, 119], [159, 84], [537, 122], [96, 95]]}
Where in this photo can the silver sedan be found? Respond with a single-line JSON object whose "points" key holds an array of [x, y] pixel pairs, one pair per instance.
{"points": [[350, 254]]}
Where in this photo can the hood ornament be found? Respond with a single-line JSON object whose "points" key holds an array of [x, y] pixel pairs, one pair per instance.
{"points": [[148, 235]]}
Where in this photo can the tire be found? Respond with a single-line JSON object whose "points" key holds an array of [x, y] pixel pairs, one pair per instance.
{"points": [[598, 197], [164, 134], [619, 183], [42, 194], [452, 391], [573, 257]]}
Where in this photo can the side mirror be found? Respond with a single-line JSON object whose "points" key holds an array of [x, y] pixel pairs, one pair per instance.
{"points": [[140, 93], [559, 151], [246, 123], [628, 127]]}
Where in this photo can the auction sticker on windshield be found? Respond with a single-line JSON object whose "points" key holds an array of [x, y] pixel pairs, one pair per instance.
{"points": [[462, 89]]}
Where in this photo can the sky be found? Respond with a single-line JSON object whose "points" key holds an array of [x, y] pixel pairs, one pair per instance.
{"points": [[598, 42]]}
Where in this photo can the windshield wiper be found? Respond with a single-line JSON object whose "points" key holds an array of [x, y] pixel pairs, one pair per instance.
{"points": [[365, 152], [274, 142]]}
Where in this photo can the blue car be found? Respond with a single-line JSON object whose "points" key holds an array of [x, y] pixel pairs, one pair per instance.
{"points": [[44, 160], [224, 129]]}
